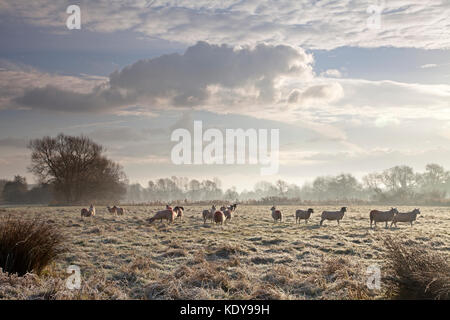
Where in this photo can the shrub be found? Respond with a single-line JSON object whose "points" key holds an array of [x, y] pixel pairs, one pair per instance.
{"points": [[28, 246], [416, 272]]}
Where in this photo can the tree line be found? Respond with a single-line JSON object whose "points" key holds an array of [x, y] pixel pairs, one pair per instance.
{"points": [[396, 185], [75, 170]]}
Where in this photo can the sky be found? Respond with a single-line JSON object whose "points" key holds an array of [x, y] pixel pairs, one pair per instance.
{"points": [[352, 86]]}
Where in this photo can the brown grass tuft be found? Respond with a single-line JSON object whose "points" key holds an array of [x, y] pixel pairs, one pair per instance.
{"points": [[416, 271], [28, 246]]}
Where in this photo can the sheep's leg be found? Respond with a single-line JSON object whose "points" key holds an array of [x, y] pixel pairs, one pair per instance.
{"points": [[386, 226], [321, 222]]}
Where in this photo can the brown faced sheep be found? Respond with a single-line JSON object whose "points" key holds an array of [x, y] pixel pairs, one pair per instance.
{"points": [[303, 215], [88, 213], [112, 210], [219, 217], [120, 211], [179, 211], [405, 217], [209, 214], [382, 216], [167, 214], [228, 213], [276, 214], [333, 215]]}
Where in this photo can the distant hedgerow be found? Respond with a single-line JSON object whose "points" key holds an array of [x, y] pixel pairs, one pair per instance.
{"points": [[28, 245]]}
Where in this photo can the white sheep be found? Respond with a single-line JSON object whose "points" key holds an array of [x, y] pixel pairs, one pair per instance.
{"points": [[228, 212], [112, 210], [405, 217], [120, 211], [167, 214], [382, 216], [179, 211], [276, 214], [333, 215], [303, 215], [209, 214], [88, 213]]}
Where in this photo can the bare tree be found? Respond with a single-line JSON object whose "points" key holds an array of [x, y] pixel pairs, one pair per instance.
{"points": [[76, 168]]}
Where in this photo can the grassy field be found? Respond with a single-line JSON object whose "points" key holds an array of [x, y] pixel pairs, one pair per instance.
{"points": [[250, 258]]}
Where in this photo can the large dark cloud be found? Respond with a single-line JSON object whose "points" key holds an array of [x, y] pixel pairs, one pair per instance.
{"points": [[182, 80], [55, 99]]}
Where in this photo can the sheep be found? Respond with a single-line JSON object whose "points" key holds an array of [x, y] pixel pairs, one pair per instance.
{"points": [[382, 216], [209, 214], [405, 217], [167, 214], [112, 210], [116, 210], [228, 212], [88, 213], [120, 211], [303, 215], [179, 211], [228, 215], [276, 214], [233, 207], [333, 215], [219, 217]]}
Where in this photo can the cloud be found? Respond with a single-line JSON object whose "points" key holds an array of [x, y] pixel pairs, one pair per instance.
{"points": [[324, 24], [322, 93], [331, 73], [16, 81], [119, 134], [53, 98], [427, 66], [205, 75], [384, 121]]}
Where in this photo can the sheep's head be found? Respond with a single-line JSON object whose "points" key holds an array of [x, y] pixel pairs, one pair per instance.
{"points": [[273, 208], [416, 211], [344, 209], [394, 210], [310, 210]]}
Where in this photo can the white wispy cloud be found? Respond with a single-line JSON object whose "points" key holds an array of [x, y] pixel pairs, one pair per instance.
{"points": [[324, 24]]}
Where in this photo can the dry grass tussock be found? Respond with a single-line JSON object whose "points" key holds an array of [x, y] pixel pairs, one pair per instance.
{"points": [[416, 272], [28, 246]]}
